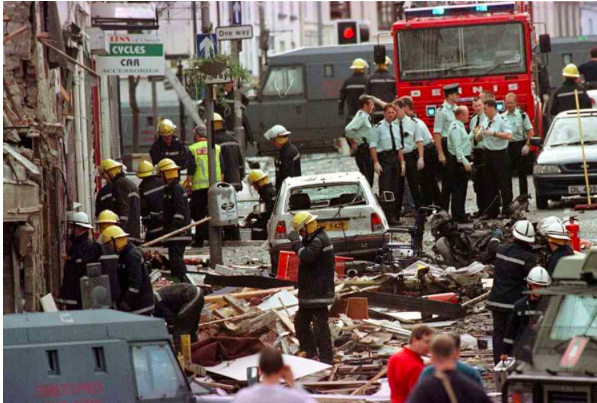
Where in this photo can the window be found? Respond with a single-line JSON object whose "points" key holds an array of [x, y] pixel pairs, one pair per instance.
{"points": [[328, 71], [386, 15], [157, 374], [339, 10], [284, 81], [53, 366], [564, 131], [99, 359], [577, 316], [567, 58], [323, 196]]}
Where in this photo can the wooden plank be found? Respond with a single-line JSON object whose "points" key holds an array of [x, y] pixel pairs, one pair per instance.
{"points": [[236, 304], [333, 373], [402, 303], [70, 59], [325, 384], [257, 324], [371, 381], [246, 281], [247, 294], [214, 385], [286, 321], [15, 33]]}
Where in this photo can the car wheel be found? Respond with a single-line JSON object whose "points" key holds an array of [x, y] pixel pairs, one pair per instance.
{"points": [[557, 198], [542, 202]]}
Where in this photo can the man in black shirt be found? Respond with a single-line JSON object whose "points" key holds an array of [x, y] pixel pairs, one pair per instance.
{"points": [[589, 70], [564, 98]]}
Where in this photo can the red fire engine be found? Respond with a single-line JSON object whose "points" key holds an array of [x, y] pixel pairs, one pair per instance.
{"points": [[487, 46]]}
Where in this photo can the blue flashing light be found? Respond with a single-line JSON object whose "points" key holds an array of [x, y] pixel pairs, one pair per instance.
{"points": [[439, 11], [459, 10], [500, 106], [430, 110], [482, 8]]}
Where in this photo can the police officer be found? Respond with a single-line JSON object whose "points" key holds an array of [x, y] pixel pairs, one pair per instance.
{"points": [[80, 253], [528, 312], [108, 259], [168, 145], [411, 140], [267, 196], [315, 286], [388, 163], [512, 265], [151, 192], [460, 147], [519, 146], [180, 306], [137, 294], [381, 84], [200, 184], [558, 244], [358, 133], [444, 116], [288, 163], [563, 97], [177, 214], [479, 184], [126, 199], [496, 134], [352, 89]]}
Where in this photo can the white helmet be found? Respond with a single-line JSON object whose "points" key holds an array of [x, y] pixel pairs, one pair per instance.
{"points": [[557, 231], [542, 225], [524, 231], [275, 132], [539, 276], [81, 219]]}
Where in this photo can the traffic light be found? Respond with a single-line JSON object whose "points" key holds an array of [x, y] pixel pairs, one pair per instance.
{"points": [[347, 32]]}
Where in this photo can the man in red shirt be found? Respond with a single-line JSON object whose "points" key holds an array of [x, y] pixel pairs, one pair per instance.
{"points": [[406, 365]]}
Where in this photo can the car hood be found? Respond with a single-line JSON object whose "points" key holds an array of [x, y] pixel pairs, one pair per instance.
{"points": [[567, 155]]}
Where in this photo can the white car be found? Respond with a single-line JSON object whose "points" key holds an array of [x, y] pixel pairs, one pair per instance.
{"points": [[593, 95], [345, 206]]}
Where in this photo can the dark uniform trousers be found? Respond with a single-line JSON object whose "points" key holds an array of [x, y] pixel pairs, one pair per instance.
{"points": [[499, 183], [459, 187], [501, 320], [429, 182], [479, 184], [199, 212], [518, 162], [320, 336], [390, 179], [365, 163], [177, 215], [412, 176], [447, 180]]}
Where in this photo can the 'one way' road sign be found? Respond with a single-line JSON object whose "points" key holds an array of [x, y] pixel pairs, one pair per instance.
{"points": [[207, 45]]}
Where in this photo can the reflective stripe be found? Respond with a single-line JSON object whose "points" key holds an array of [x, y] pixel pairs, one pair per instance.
{"points": [[157, 296], [155, 214], [135, 290], [79, 261], [228, 143], [233, 183], [149, 308], [179, 216], [382, 80], [123, 218], [328, 248], [510, 259], [317, 301], [108, 257], [172, 153], [297, 157], [258, 229], [104, 197], [355, 86], [508, 341], [178, 238], [299, 251], [500, 305], [532, 313], [495, 239], [155, 230], [190, 304], [135, 194], [66, 301], [154, 190], [567, 94], [133, 239]]}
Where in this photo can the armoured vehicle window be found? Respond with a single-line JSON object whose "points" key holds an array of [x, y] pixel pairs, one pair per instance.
{"points": [[333, 195], [156, 372], [284, 81], [577, 316]]}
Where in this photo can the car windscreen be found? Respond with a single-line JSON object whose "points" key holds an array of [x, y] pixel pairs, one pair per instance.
{"points": [[564, 131], [577, 316], [473, 50], [157, 373], [326, 195]]}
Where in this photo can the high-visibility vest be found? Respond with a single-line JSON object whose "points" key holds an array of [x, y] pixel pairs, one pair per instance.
{"points": [[201, 177]]}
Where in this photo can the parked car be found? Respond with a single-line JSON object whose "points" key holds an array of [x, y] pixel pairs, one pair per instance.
{"points": [[559, 170], [345, 206], [593, 95]]}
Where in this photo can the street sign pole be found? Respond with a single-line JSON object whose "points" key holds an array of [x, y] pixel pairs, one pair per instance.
{"points": [[239, 131]]}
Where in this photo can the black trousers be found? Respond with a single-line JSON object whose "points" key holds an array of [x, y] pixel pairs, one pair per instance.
{"points": [[459, 189], [429, 181], [518, 162], [498, 180], [501, 320], [389, 180], [188, 322], [176, 257], [365, 163], [316, 340], [447, 182], [412, 176], [479, 184], [199, 212]]}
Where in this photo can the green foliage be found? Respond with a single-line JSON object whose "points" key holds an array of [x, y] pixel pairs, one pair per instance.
{"points": [[195, 83]]}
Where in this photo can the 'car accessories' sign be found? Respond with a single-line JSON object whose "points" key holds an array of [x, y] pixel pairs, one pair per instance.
{"points": [[133, 55]]}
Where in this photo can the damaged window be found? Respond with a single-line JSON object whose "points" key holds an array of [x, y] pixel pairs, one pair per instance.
{"points": [[156, 372], [577, 316], [329, 195]]}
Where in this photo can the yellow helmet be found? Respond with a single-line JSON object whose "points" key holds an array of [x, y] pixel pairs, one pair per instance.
{"points": [[301, 219], [145, 169], [218, 117], [388, 61], [115, 234], [571, 71], [166, 127], [255, 176], [168, 168], [108, 165], [359, 64], [107, 217]]}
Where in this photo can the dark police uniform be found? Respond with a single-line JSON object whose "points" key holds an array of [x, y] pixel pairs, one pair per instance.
{"points": [[351, 90], [104, 199], [512, 265], [359, 129], [234, 165], [479, 185], [525, 317], [288, 164], [556, 255], [381, 84], [520, 124], [563, 98], [151, 190], [177, 214], [315, 293], [176, 151], [267, 195], [127, 206], [137, 294]]}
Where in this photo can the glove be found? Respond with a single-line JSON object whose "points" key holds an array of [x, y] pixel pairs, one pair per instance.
{"points": [[293, 236], [468, 167], [420, 164], [488, 133], [377, 168], [402, 168], [442, 159], [525, 150]]}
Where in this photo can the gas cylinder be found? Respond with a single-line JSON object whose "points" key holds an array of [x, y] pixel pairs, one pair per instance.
{"points": [[573, 228]]}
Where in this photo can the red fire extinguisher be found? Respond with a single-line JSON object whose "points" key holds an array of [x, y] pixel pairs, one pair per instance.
{"points": [[573, 228]]}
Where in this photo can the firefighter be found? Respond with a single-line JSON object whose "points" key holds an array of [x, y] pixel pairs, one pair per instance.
{"points": [[137, 294], [288, 163], [460, 147], [180, 306], [126, 199], [381, 84], [512, 265], [352, 89], [151, 192], [267, 196], [558, 244], [563, 97], [168, 145], [358, 133], [388, 163], [527, 313], [315, 286], [479, 184], [80, 253], [108, 258], [519, 145], [444, 116], [103, 199], [200, 184], [496, 133], [177, 214]]}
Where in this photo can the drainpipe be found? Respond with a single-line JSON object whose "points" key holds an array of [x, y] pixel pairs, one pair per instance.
{"points": [[87, 159], [106, 121], [78, 141]]}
